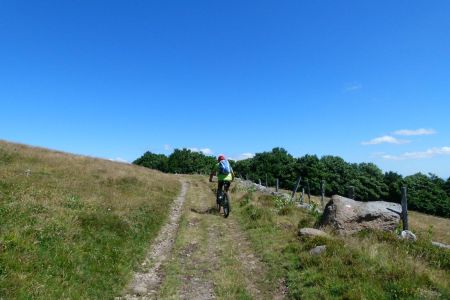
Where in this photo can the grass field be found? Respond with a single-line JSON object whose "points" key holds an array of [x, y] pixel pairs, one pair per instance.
{"points": [[368, 265], [426, 226], [72, 226]]}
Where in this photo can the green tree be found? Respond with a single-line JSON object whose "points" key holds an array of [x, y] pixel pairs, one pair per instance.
{"points": [[371, 182], [447, 187], [153, 161], [185, 161], [426, 195], [310, 168], [394, 183], [337, 174], [277, 163]]}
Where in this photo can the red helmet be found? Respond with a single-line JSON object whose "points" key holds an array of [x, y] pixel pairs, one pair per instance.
{"points": [[221, 157]]}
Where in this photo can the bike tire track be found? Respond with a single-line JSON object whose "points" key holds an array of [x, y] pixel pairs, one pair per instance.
{"points": [[145, 283]]}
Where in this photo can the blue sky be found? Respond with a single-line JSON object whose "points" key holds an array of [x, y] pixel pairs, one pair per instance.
{"points": [[113, 79]]}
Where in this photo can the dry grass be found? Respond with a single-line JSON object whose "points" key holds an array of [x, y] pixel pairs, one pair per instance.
{"points": [[436, 228], [66, 219]]}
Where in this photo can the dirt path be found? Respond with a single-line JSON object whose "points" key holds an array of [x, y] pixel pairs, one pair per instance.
{"points": [[210, 257], [146, 282]]}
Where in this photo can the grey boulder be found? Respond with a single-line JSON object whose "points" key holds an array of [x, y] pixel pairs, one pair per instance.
{"points": [[408, 235], [348, 216], [312, 232], [318, 250]]}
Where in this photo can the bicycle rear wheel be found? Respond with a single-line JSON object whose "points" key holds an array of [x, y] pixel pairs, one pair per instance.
{"points": [[226, 205]]}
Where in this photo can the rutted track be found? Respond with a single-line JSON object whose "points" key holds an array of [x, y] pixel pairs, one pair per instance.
{"points": [[200, 255], [146, 283]]}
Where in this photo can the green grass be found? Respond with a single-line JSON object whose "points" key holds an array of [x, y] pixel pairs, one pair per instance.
{"points": [[368, 265], [76, 227]]}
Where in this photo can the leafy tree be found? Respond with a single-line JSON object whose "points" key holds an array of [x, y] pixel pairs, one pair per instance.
{"points": [[426, 195], [310, 168], [371, 179], [394, 183], [153, 161], [186, 161], [447, 187], [275, 164], [337, 174]]}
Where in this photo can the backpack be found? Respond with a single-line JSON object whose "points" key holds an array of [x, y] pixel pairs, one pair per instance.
{"points": [[224, 167]]}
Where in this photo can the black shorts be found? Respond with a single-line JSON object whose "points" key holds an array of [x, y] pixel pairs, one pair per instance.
{"points": [[222, 184]]}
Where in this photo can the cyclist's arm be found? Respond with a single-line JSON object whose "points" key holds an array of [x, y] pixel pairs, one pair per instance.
{"points": [[211, 175]]}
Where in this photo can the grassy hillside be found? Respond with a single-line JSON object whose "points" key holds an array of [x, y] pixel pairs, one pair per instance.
{"points": [[72, 226], [368, 265]]}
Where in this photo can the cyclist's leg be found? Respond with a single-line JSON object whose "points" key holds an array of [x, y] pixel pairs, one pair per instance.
{"points": [[220, 184], [226, 185]]}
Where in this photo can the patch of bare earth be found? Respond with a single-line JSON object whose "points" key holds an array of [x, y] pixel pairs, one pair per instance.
{"points": [[145, 283]]}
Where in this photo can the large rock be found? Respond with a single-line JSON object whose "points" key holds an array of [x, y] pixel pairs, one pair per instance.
{"points": [[312, 232], [347, 216], [318, 250], [408, 235]]}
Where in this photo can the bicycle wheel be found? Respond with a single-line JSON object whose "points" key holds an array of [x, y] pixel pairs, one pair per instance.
{"points": [[218, 204], [226, 205]]}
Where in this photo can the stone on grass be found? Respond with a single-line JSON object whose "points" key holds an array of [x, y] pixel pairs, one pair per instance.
{"points": [[318, 250], [348, 216], [441, 245], [312, 232], [408, 235]]}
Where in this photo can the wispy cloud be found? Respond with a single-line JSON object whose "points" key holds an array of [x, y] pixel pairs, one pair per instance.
{"points": [[436, 151], [353, 87], [168, 147], [205, 151], [242, 156], [420, 131], [385, 139], [119, 159]]}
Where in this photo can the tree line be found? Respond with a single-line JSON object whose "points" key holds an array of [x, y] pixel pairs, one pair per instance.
{"points": [[181, 161], [427, 193]]}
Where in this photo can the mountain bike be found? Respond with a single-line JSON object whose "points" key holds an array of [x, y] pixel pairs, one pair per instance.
{"points": [[223, 200]]}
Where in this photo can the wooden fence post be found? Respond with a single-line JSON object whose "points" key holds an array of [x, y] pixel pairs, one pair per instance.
{"points": [[278, 183], [259, 180], [296, 187], [309, 191], [404, 209], [322, 192], [303, 195]]}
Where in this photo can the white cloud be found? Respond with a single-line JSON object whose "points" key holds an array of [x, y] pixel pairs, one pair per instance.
{"points": [[385, 139], [205, 151], [420, 131], [247, 155], [119, 159], [419, 154], [243, 156], [353, 87], [167, 147]]}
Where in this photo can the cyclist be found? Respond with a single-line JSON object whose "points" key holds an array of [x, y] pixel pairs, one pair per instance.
{"points": [[224, 172]]}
